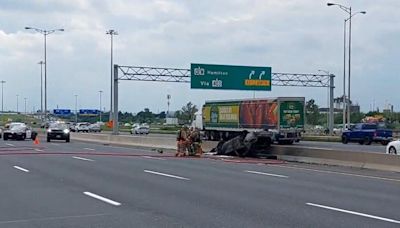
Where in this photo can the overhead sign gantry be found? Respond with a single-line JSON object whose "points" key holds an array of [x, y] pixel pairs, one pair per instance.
{"points": [[157, 74]]}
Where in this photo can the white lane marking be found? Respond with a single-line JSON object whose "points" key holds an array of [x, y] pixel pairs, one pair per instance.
{"points": [[354, 213], [22, 169], [266, 174], [51, 218], [339, 173], [83, 159], [39, 150], [155, 158], [9, 144], [112, 202], [88, 149], [166, 175]]}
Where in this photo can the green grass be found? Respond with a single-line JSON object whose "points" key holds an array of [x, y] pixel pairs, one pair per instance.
{"points": [[7, 118]]}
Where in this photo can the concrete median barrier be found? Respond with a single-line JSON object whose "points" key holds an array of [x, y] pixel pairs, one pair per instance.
{"points": [[328, 156], [295, 153]]}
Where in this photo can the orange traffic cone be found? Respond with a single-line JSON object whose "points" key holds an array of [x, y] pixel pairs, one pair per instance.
{"points": [[36, 141]]}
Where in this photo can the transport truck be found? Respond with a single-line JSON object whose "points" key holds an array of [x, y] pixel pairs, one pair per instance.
{"points": [[282, 116]]}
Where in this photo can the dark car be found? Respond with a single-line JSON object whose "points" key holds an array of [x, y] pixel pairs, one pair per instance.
{"points": [[58, 131], [19, 131], [366, 133]]}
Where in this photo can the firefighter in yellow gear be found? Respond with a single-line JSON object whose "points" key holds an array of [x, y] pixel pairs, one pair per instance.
{"points": [[182, 141]]}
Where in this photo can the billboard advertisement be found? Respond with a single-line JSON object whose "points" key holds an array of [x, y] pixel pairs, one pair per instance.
{"points": [[241, 114], [291, 114]]}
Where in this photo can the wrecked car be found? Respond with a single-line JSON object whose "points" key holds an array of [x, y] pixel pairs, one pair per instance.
{"points": [[247, 144]]}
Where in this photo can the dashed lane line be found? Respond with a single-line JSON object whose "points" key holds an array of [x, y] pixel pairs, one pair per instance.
{"points": [[354, 213], [266, 174], [83, 159], [155, 158], [101, 198], [166, 175], [21, 169]]}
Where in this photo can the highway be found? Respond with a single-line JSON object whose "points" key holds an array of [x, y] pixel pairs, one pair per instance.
{"points": [[80, 184], [353, 147]]}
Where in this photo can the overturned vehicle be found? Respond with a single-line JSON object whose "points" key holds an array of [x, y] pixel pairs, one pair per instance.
{"points": [[247, 144]]}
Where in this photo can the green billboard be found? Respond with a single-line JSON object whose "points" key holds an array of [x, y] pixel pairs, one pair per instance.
{"points": [[210, 76], [291, 114]]}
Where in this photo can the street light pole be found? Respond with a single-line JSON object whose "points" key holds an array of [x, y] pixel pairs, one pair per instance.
{"points": [[25, 104], [2, 85], [17, 102], [347, 101], [344, 76], [45, 33], [100, 92], [111, 32], [76, 108], [41, 89]]}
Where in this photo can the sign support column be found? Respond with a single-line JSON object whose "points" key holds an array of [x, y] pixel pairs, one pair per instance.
{"points": [[331, 108], [115, 101]]}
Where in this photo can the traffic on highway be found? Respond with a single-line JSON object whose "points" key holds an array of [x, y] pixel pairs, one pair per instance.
{"points": [[199, 114]]}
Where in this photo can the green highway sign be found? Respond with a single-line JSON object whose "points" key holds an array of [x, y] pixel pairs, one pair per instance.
{"points": [[209, 76]]}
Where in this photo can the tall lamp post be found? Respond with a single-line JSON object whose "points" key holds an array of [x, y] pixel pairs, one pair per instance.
{"points": [[41, 89], [17, 102], [111, 32], [25, 104], [351, 15], [2, 85], [45, 33], [76, 108], [100, 92]]}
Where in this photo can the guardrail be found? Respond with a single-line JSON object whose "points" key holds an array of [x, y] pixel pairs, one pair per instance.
{"points": [[295, 153]]}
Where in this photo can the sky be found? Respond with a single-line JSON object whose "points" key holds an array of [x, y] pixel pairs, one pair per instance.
{"points": [[293, 36]]}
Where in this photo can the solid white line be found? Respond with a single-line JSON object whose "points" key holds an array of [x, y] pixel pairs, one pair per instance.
{"points": [[166, 175], [354, 213], [83, 159], [112, 202], [339, 173], [9, 144], [88, 149], [155, 158], [38, 150], [266, 174], [22, 169]]}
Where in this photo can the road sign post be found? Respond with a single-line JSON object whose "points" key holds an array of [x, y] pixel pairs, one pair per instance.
{"points": [[227, 77]]}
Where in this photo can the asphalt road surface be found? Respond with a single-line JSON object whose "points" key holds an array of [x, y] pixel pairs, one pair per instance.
{"points": [[79, 184], [353, 147]]}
